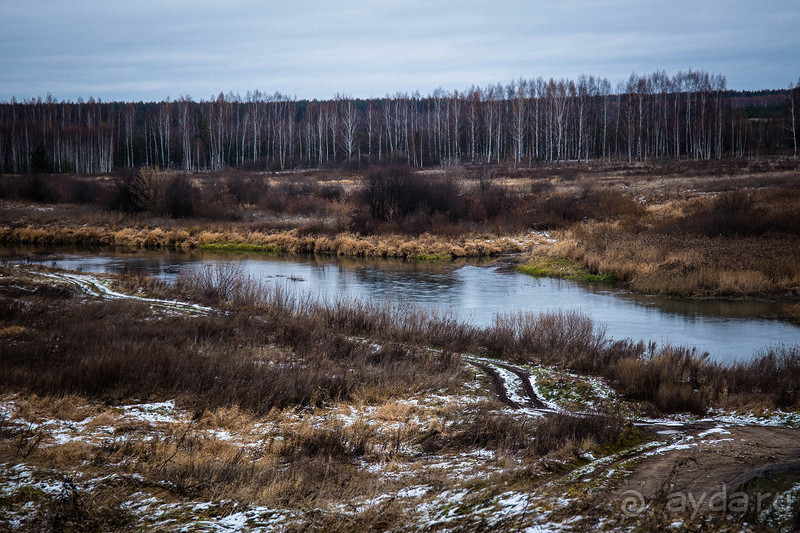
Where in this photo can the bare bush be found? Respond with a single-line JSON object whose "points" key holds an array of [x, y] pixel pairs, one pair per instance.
{"points": [[560, 430], [175, 197], [492, 431], [674, 379], [222, 282], [774, 372], [211, 361], [137, 191]]}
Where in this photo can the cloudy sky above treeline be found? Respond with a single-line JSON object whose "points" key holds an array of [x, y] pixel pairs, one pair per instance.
{"points": [[158, 49]]}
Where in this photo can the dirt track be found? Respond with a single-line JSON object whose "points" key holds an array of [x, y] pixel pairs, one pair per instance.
{"points": [[736, 472], [712, 473]]}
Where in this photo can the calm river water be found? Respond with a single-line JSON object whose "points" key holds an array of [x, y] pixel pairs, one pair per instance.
{"points": [[476, 292]]}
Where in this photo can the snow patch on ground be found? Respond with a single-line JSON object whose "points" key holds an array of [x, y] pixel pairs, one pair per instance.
{"points": [[544, 236], [781, 512], [714, 431], [512, 384], [98, 287], [414, 492], [548, 403], [19, 475], [155, 413]]}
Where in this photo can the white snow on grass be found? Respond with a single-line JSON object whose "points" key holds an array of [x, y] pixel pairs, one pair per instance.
{"points": [[538, 393], [780, 514], [194, 515], [7, 409], [513, 384], [155, 413], [52, 431], [603, 462], [686, 443], [55, 431], [443, 509], [98, 287], [17, 476], [544, 236], [774, 418], [414, 492], [714, 431], [511, 504], [544, 528]]}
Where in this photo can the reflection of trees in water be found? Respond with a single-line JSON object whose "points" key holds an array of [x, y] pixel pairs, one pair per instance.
{"points": [[699, 307]]}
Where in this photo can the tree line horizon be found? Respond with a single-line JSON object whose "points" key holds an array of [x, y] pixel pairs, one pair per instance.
{"points": [[689, 115]]}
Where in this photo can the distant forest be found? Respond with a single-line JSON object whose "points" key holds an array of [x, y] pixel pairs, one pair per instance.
{"points": [[690, 115]]}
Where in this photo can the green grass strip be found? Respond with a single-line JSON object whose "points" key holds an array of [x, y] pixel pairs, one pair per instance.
{"points": [[564, 269]]}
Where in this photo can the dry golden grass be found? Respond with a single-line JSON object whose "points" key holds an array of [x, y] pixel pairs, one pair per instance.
{"points": [[425, 246], [690, 232], [13, 331], [395, 411], [229, 418], [682, 265], [69, 407]]}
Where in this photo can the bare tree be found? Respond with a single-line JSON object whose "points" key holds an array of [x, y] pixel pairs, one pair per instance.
{"points": [[794, 103], [349, 125]]}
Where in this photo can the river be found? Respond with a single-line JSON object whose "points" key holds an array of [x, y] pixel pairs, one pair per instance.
{"points": [[476, 292]]}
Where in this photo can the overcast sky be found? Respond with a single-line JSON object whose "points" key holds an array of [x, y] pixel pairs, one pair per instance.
{"points": [[154, 49]]}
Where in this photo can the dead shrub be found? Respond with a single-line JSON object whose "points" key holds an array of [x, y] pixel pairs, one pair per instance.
{"points": [[332, 443], [136, 192], [175, 196], [72, 510], [614, 204], [486, 430], [558, 431], [408, 199], [674, 379], [211, 361], [221, 282], [775, 372]]}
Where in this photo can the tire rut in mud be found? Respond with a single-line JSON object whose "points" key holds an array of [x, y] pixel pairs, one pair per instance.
{"points": [[498, 386], [532, 398]]}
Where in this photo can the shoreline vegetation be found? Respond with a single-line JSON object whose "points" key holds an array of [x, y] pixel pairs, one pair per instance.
{"points": [[219, 397], [562, 268], [422, 247], [669, 379], [691, 229]]}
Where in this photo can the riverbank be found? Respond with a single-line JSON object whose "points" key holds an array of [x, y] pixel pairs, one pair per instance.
{"points": [[736, 238], [693, 229], [766, 266], [682, 266], [424, 247], [212, 405]]}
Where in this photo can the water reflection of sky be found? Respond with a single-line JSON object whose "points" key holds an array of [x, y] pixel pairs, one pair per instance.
{"points": [[475, 293]]}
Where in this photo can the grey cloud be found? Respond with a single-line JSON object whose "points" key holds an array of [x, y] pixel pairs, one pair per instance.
{"points": [[151, 49]]}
